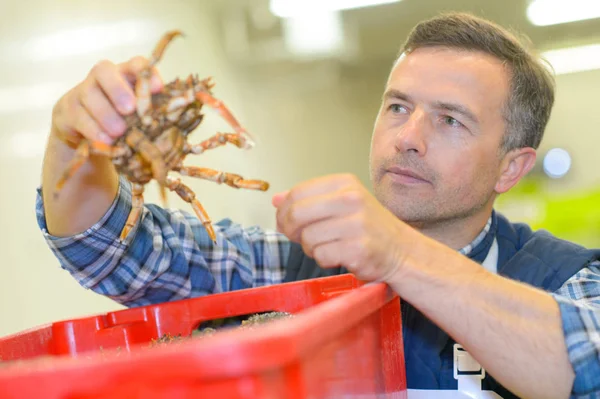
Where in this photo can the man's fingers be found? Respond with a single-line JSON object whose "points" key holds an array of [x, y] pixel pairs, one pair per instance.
{"points": [[278, 198], [87, 126], [156, 82], [130, 69], [351, 254], [100, 108], [328, 230], [313, 188], [292, 217], [114, 86], [338, 253], [134, 66], [322, 185]]}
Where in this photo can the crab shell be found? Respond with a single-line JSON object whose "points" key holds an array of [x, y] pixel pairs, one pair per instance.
{"points": [[168, 131]]}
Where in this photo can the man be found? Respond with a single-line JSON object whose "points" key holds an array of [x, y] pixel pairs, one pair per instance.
{"points": [[464, 108]]}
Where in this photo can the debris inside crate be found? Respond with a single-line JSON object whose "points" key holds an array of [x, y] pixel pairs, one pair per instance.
{"points": [[214, 325], [204, 332], [211, 326], [166, 339], [262, 318]]}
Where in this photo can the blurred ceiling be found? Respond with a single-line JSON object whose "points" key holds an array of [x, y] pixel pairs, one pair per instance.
{"points": [[252, 39], [253, 36]]}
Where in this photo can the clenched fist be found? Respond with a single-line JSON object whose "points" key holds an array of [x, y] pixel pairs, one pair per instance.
{"points": [[339, 223]]}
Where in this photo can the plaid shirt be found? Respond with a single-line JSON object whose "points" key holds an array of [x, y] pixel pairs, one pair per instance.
{"points": [[173, 258]]}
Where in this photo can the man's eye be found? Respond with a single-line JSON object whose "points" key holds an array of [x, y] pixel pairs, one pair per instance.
{"points": [[450, 121], [397, 109]]}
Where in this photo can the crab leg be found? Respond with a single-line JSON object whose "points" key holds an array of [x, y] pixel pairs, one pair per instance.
{"points": [[200, 93], [140, 143], [233, 180], [226, 114], [218, 140], [142, 85], [162, 191], [188, 196], [137, 201], [82, 154], [162, 45]]}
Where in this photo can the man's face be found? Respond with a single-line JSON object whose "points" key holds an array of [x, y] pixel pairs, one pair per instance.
{"points": [[435, 148]]}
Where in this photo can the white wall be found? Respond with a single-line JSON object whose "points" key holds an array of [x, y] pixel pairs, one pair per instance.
{"points": [[33, 288]]}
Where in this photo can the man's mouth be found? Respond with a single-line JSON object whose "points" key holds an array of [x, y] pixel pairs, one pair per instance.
{"points": [[405, 175]]}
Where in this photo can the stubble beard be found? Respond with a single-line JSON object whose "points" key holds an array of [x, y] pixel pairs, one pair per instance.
{"points": [[429, 210]]}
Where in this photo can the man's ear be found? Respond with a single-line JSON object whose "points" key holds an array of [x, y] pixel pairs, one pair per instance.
{"points": [[514, 166]]}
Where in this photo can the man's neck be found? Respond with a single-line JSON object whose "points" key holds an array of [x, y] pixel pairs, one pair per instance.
{"points": [[457, 233]]}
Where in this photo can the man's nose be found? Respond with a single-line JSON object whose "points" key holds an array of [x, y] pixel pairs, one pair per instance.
{"points": [[411, 135]]}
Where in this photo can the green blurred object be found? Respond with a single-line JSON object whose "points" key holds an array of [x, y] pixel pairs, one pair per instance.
{"points": [[573, 216]]}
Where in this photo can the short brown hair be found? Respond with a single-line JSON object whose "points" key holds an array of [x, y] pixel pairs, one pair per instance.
{"points": [[531, 97]]}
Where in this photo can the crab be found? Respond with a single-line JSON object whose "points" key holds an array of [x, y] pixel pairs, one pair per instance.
{"points": [[156, 141]]}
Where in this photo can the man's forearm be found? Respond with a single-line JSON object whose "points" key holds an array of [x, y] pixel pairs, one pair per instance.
{"points": [[513, 330], [85, 197]]}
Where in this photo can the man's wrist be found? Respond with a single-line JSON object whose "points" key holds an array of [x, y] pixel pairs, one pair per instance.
{"points": [[429, 265]]}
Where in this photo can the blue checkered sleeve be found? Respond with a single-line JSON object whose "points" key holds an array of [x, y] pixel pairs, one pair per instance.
{"points": [[167, 256], [579, 303]]}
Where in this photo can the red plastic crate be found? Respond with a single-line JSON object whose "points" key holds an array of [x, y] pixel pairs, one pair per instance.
{"points": [[345, 339]]}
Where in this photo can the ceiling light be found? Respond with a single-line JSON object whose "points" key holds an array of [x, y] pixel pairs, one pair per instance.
{"points": [[320, 34], [574, 59], [552, 12], [294, 8]]}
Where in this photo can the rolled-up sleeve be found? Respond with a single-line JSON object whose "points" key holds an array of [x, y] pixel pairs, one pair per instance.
{"points": [[167, 256], [579, 303]]}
